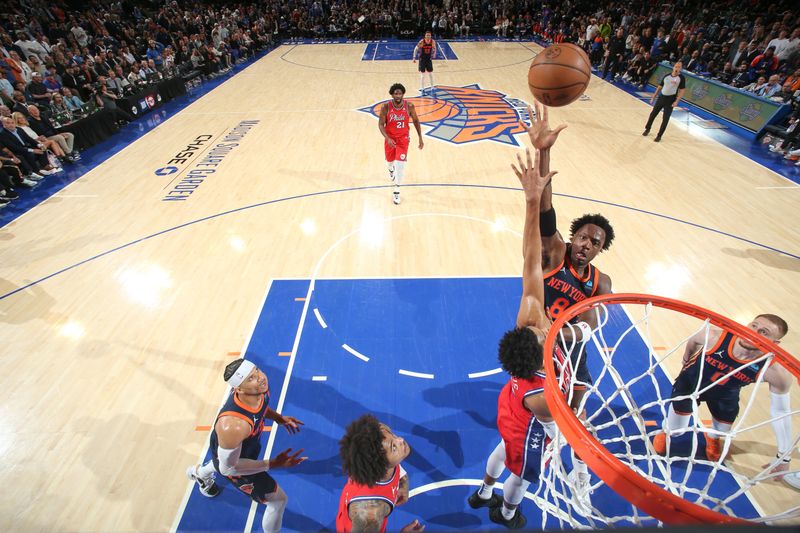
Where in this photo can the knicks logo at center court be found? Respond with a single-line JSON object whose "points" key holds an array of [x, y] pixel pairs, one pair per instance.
{"points": [[467, 114]]}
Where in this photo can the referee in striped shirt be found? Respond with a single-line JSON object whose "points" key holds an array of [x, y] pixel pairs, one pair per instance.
{"points": [[669, 92]]}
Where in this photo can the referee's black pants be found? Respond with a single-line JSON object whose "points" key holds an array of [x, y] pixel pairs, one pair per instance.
{"points": [[662, 103]]}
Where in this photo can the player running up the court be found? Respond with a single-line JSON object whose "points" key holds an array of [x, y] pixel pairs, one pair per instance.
{"points": [[393, 125], [523, 418], [235, 445], [569, 275], [371, 456], [426, 48], [725, 356]]}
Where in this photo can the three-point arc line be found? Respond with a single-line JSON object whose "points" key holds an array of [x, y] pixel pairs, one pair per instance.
{"points": [[484, 373], [354, 352], [319, 319], [415, 374]]}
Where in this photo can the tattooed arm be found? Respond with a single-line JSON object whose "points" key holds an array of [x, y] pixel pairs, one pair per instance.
{"points": [[368, 515]]}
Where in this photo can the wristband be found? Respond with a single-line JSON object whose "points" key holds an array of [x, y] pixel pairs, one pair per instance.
{"points": [[586, 331]]}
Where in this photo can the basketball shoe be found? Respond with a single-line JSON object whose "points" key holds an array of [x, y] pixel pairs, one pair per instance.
{"points": [[713, 449], [476, 502], [793, 479], [396, 196], [517, 521], [207, 487]]}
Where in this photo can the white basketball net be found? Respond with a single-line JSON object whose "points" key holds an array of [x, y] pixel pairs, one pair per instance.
{"points": [[625, 414]]}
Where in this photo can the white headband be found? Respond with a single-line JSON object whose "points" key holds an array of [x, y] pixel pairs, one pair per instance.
{"points": [[241, 373]]}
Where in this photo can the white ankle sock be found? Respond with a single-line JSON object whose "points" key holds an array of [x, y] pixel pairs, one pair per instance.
{"points": [[206, 471], [508, 514]]}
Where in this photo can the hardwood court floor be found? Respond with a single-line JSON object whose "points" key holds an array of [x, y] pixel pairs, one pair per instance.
{"points": [[110, 365]]}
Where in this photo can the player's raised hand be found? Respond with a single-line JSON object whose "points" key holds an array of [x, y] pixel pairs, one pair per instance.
{"points": [[285, 460], [539, 132], [414, 527], [528, 174], [291, 424]]}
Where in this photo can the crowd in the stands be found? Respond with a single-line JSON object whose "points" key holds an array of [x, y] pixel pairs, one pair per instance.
{"points": [[63, 59]]}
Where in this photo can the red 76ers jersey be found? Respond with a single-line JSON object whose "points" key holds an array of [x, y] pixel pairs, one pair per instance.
{"points": [[385, 491], [397, 121]]}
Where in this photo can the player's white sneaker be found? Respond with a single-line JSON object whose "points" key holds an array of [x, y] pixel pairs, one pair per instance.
{"points": [[581, 485], [396, 197], [793, 480], [207, 487]]}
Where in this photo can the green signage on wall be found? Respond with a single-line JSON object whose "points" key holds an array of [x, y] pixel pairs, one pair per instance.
{"points": [[744, 109]]}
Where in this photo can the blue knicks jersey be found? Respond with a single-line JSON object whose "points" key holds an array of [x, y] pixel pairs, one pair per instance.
{"points": [[251, 447], [563, 287], [717, 362]]}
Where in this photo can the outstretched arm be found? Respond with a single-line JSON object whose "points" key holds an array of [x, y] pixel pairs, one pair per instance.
{"points": [[543, 138], [531, 308], [291, 424], [231, 432]]}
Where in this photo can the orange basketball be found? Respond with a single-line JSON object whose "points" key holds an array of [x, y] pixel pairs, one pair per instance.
{"points": [[559, 74]]}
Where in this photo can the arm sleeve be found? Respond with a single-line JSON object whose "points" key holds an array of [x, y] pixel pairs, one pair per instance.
{"points": [[231, 463], [780, 411]]}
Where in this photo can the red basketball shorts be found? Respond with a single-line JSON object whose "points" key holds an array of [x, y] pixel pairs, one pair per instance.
{"points": [[399, 151]]}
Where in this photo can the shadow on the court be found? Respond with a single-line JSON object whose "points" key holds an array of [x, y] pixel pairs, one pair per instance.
{"points": [[301, 522], [479, 395], [107, 445], [49, 247], [327, 402], [31, 304], [768, 258]]}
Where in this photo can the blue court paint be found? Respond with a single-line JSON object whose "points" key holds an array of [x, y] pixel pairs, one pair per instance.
{"points": [[274, 332], [403, 51], [447, 327]]}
